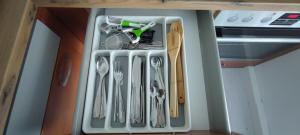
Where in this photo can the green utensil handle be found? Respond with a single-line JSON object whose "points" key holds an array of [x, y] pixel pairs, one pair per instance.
{"points": [[131, 24]]}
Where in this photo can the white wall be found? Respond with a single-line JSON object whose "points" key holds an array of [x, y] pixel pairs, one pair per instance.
{"points": [[265, 99], [278, 81], [241, 105]]}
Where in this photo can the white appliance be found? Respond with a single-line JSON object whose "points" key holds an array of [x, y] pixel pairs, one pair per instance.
{"points": [[270, 19], [256, 35], [262, 97]]}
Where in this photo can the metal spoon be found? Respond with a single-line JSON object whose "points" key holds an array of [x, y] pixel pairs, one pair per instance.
{"points": [[156, 63], [161, 111], [100, 100]]}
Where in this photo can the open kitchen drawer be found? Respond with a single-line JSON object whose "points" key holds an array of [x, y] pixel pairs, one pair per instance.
{"points": [[205, 104], [205, 95]]}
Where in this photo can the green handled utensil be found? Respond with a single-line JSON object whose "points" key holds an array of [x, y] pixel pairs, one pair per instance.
{"points": [[137, 32], [124, 23]]}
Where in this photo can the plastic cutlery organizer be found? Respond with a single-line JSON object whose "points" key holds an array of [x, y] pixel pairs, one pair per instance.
{"points": [[126, 61]]}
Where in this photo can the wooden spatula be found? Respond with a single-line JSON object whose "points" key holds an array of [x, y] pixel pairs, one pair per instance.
{"points": [[173, 51], [177, 26]]}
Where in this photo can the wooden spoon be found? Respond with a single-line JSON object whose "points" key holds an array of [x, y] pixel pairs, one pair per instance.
{"points": [[173, 51], [177, 26]]}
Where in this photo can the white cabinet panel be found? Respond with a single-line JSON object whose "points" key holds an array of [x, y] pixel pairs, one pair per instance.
{"points": [[32, 93]]}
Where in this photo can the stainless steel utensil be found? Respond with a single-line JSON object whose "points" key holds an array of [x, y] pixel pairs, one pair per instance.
{"points": [[145, 46], [99, 108], [116, 40], [156, 62], [104, 27], [118, 108], [157, 116], [121, 109], [137, 103], [158, 93], [161, 110], [153, 94], [143, 108], [134, 34]]}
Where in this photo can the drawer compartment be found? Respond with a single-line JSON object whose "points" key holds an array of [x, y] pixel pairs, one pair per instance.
{"points": [[135, 104], [200, 111]]}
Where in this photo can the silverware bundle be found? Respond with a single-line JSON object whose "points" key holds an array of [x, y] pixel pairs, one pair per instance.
{"points": [[157, 93], [99, 110], [118, 114], [137, 103]]}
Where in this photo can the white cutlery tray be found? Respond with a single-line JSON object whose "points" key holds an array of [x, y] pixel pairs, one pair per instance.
{"points": [[106, 125]]}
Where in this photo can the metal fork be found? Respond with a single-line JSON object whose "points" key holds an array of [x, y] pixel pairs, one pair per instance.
{"points": [[118, 76]]}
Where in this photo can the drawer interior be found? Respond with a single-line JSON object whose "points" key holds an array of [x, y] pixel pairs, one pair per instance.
{"points": [[205, 99], [126, 58], [204, 86]]}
